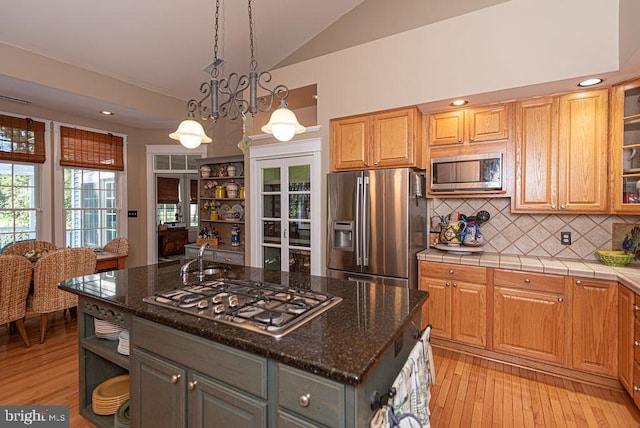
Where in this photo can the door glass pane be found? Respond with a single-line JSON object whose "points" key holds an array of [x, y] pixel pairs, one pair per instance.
{"points": [[271, 258], [162, 162], [299, 261], [271, 206], [299, 206], [271, 231], [299, 234], [299, 178], [271, 179]]}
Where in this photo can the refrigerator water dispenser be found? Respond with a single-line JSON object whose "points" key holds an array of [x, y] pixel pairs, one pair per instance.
{"points": [[343, 235]]}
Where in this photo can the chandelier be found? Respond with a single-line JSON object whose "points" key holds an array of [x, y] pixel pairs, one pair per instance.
{"points": [[224, 97]]}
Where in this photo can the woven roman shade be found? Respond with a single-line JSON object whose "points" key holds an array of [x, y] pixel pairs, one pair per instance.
{"points": [[21, 140], [168, 190], [93, 150], [194, 191]]}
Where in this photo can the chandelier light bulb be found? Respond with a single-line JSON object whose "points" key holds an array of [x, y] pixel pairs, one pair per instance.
{"points": [[283, 124], [190, 134]]}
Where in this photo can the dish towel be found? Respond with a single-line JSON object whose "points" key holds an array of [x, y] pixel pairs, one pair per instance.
{"points": [[409, 407]]}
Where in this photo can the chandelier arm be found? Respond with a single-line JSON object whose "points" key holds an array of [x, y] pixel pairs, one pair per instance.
{"points": [[233, 87]]}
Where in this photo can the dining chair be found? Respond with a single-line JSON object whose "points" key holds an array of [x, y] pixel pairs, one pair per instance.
{"points": [[21, 247], [118, 245], [15, 279], [51, 269]]}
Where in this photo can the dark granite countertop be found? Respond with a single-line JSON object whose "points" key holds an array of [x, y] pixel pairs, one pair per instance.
{"points": [[344, 344]]}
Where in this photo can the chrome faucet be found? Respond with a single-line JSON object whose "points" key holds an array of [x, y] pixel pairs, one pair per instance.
{"points": [[201, 257], [184, 270]]}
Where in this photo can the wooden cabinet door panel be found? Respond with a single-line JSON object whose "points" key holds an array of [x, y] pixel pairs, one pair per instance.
{"points": [[488, 124], [350, 143], [394, 138], [446, 128], [530, 324], [469, 313], [625, 337], [213, 404], [158, 391], [438, 307], [595, 326], [536, 155], [583, 145]]}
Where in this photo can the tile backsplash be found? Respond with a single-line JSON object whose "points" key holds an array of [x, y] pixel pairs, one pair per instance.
{"points": [[536, 234]]}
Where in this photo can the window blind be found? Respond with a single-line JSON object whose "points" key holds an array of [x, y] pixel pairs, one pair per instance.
{"points": [[168, 190], [93, 150], [21, 139], [194, 191]]}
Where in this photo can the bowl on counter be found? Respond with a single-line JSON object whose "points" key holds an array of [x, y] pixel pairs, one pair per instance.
{"points": [[615, 258]]}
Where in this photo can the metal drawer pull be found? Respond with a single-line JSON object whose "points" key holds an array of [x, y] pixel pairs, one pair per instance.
{"points": [[636, 343], [451, 271], [636, 308], [636, 388], [560, 299], [192, 385], [527, 280], [175, 378], [305, 400], [455, 285], [446, 284], [578, 282], [228, 259]]}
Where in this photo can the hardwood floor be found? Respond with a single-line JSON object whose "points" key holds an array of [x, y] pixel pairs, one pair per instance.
{"points": [[475, 392], [469, 391]]}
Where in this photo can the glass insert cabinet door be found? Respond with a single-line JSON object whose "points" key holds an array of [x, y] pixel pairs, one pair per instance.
{"points": [[285, 214]]}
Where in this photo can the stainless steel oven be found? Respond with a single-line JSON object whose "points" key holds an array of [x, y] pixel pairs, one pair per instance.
{"points": [[477, 172]]}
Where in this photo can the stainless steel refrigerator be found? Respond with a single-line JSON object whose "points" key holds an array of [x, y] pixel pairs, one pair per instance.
{"points": [[376, 225]]}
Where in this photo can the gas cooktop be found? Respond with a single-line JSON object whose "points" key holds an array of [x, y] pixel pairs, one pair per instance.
{"points": [[263, 307]]}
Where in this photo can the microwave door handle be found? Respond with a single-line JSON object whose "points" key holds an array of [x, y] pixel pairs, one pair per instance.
{"points": [[365, 222], [358, 197]]}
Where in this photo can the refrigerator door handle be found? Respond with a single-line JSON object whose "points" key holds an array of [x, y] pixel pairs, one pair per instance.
{"points": [[358, 220], [365, 222]]}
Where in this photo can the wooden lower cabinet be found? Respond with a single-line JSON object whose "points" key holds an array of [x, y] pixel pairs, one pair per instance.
{"points": [[626, 322], [456, 308], [530, 323], [595, 326]]}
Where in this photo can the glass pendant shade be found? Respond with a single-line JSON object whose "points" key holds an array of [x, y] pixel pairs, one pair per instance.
{"points": [[190, 134], [283, 124]]}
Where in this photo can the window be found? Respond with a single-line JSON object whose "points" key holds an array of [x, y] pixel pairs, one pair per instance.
{"points": [[18, 196], [167, 212], [89, 207]]}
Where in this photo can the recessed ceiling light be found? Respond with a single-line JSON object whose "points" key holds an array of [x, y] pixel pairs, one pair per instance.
{"points": [[106, 112], [458, 103], [591, 82]]}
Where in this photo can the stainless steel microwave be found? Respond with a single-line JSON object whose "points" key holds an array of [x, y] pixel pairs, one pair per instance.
{"points": [[477, 172]]}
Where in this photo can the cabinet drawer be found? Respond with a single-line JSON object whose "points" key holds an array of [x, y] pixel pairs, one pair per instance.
{"points": [[229, 257], [239, 369], [532, 281], [476, 275], [325, 399]]}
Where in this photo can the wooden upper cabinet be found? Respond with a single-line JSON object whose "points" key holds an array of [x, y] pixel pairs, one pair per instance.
{"points": [[468, 126], [561, 154], [625, 147], [386, 139]]}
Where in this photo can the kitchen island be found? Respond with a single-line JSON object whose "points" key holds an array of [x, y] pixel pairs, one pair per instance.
{"points": [[190, 371]]}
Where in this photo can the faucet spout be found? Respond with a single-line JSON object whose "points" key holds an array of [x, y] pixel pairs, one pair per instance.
{"points": [[184, 270], [201, 257]]}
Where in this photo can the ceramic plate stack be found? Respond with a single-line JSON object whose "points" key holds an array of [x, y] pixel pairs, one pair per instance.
{"points": [[110, 395], [122, 417], [123, 344], [106, 330]]}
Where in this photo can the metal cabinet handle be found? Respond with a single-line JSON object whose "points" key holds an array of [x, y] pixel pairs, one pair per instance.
{"points": [[636, 308], [305, 400], [560, 299], [562, 207], [366, 164], [578, 282], [455, 285], [227, 259], [636, 388], [553, 206], [527, 280], [446, 284], [192, 385], [451, 271], [472, 139], [636, 343], [459, 140], [175, 378], [375, 164]]}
